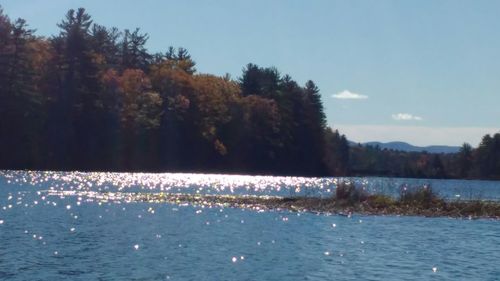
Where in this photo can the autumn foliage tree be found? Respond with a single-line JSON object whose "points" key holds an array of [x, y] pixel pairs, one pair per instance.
{"points": [[94, 98]]}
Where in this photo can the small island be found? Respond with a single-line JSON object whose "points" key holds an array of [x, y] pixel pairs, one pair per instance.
{"points": [[347, 200], [249, 140]]}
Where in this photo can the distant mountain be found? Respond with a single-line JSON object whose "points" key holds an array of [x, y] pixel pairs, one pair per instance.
{"points": [[403, 146]]}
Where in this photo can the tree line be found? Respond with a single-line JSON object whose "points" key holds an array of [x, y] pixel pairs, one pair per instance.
{"points": [[482, 162], [94, 98]]}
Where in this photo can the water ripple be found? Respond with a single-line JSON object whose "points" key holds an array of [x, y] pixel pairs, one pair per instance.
{"points": [[80, 226]]}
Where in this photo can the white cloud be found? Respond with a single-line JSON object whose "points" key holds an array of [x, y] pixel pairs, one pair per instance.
{"points": [[348, 95], [406, 117]]}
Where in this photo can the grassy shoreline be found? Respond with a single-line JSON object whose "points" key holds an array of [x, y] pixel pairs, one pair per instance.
{"points": [[371, 205], [348, 199]]}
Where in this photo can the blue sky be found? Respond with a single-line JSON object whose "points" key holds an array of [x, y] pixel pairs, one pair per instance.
{"points": [[425, 72]]}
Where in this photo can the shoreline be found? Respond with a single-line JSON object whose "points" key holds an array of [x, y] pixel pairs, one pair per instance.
{"points": [[372, 205]]}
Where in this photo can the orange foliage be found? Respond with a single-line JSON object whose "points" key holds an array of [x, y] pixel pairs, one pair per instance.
{"points": [[140, 106]]}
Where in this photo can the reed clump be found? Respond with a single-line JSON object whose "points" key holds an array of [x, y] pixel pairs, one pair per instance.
{"points": [[348, 192], [420, 196], [417, 200]]}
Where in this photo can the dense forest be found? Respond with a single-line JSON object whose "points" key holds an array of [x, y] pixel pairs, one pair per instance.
{"points": [[469, 163], [94, 98]]}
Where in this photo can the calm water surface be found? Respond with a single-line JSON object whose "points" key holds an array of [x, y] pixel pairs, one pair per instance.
{"points": [[76, 236]]}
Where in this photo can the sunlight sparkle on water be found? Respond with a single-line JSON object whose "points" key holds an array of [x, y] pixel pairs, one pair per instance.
{"points": [[123, 205], [173, 182]]}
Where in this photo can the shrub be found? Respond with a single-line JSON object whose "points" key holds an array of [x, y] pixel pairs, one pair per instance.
{"points": [[347, 191], [422, 196]]}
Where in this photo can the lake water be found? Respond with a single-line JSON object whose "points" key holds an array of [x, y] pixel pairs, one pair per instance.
{"points": [[76, 236]]}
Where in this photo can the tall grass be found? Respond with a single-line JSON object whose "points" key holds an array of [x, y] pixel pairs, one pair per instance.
{"points": [[420, 196], [348, 192]]}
